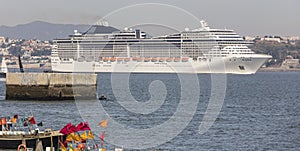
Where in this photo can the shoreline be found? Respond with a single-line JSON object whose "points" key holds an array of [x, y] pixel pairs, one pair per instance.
{"points": [[278, 70]]}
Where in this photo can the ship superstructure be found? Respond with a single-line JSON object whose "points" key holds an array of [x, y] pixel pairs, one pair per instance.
{"points": [[203, 50]]}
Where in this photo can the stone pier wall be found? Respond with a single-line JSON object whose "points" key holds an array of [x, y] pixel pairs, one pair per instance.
{"points": [[50, 86]]}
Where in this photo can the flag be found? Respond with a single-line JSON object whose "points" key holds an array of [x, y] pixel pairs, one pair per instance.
{"points": [[76, 137], [25, 123], [90, 135], [21, 122], [83, 136], [71, 147], [102, 144], [3, 121], [31, 120], [40, 124], [14, 118], [103, 123], [83, 126], [72, 137], [67, 129], [102, 136], [69, 138], [63, 147]]}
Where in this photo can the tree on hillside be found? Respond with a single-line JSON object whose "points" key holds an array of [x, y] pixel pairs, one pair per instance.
{"points": [[277, 50], [15, 51]]}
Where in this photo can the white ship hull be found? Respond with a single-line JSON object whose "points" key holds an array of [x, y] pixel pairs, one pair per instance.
{"points": [[232, 65]]}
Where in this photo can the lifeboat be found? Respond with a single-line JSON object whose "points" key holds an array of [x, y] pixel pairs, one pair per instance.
{"points": [[105, 59], [154, 59], [139, 59], [113, 59], [126, 59], [147, 59], [169, 59], [81, 59], [184, 59], [134, 59], [119, 59], [176, 59], [161, 59]]}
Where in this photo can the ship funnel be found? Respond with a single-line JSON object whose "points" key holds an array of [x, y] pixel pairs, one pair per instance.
{"points": [[138, 34]]}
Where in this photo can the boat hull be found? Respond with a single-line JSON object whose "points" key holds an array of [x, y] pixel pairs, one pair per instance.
{"points": [[12, 142], [231, 65]]}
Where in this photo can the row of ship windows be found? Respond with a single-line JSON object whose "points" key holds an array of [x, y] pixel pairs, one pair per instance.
{"points": [[239, 50], [235, 48], [229, 37], [242, 53]]}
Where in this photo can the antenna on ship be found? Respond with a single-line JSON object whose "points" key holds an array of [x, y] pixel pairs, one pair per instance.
{"points": [[102, 22], [76, 32], [204, 24]]}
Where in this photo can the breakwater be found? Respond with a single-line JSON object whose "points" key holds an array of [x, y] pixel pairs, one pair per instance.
{"points": [[50, 86]]}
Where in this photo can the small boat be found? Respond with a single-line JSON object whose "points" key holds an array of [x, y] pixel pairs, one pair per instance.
{"points": [[23, 132], [119, 149], [102, 97], [12, 139]]}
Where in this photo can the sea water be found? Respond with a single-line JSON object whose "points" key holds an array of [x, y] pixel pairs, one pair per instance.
{"points": [[260, 112]]}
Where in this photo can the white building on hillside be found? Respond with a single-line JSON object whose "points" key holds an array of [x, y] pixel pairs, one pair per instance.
{"points": [[2, 40]]}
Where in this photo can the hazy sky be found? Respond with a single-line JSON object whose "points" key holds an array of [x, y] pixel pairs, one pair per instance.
{"points": [[247, 17]]}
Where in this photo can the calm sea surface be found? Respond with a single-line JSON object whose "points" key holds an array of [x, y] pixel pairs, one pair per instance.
{"points": [[260, 112]]}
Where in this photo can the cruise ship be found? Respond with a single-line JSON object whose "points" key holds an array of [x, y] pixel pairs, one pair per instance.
{"points": [[204, 50]]}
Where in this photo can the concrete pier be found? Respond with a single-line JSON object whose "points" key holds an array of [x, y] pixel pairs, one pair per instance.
{"points": [[50, 86]]}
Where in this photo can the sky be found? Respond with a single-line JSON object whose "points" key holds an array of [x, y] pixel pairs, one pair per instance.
{"points": [[246, 17]]}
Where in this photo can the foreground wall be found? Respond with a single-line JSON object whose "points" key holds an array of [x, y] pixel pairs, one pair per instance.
{"points": [[50, 86]]}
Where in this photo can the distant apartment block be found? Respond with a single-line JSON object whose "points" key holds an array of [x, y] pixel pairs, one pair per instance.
{"points": [[271, 38], [290, 62], [2, 40]]}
